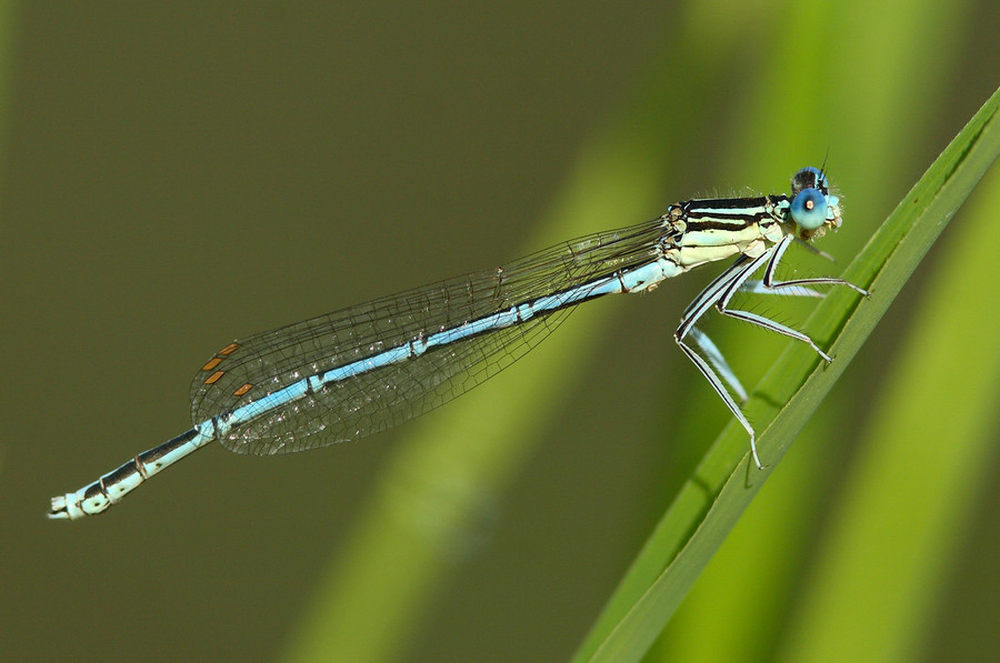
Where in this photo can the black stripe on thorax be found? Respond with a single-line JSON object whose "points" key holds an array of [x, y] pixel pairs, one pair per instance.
{"points": [[725, 203], [726, 213]]}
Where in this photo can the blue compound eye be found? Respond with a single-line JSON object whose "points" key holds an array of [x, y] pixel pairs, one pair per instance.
{"points": [[809, 209]]}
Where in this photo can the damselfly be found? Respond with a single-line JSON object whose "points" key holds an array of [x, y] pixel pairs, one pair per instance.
{"points": [[351, 373]]}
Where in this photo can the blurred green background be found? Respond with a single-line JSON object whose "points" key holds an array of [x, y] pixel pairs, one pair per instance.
{"points": [[177, 176]]}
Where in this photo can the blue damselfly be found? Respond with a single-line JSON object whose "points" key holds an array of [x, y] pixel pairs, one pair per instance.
{"points": [[351, 373]]}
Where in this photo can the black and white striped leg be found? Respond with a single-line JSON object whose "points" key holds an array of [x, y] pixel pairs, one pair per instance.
{"points": [[757, 287], [732, 278], [718, 294], [769, 283], [722, 303]]}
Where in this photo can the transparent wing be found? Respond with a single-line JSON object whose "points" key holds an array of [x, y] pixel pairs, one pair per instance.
{"points": [[251, 368]]}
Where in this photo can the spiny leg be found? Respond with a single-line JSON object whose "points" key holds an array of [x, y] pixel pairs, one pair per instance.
{"points": [[722, 303], [733, 277], [711, 293], [757, 287], [769, 283], [718, 294], [712, 353]]}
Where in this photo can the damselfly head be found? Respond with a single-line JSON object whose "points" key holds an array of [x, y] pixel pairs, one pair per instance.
{"points": [[813, 208]]}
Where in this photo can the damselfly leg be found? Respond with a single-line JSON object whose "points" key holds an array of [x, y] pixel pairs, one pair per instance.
{"points": [[719, 293]]}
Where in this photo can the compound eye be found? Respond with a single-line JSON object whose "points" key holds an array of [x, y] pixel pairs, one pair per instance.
{"points": [[809, 209], [809, 178]]}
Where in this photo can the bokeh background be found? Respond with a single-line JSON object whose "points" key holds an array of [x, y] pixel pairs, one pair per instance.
{"points": [[174, 176]]}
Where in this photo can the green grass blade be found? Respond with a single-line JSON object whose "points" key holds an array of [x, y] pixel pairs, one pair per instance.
{"points": [[924, 461], [723, 484], [751, 587]]}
